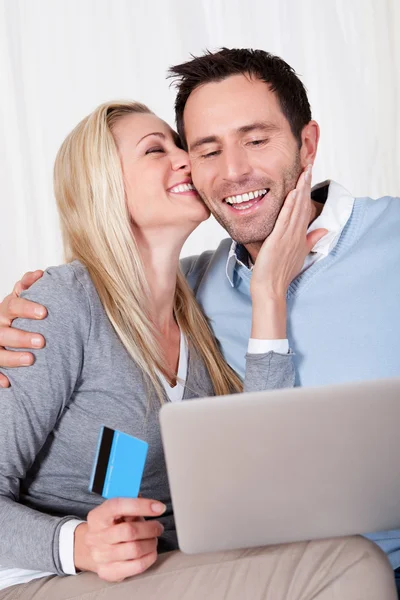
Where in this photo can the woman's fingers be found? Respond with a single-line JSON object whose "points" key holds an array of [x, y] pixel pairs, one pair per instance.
{"points": [[300, 215], [296, 209], [105, 515], [313, 237], [119, 541], [127, 532], [285, 216], [118, 571], [126, 551]]}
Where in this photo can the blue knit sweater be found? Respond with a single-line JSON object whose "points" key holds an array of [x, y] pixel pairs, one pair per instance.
{"points": [[343, 312]]}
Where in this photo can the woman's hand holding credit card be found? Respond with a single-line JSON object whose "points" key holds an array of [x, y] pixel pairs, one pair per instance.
{"points": [[117, 542]]}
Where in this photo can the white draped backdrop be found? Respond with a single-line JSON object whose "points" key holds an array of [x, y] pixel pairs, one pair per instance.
{"points": [[59, 59]]}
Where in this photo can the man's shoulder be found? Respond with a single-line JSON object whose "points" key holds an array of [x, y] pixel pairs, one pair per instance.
{"points": [[381, 202], [195, 268], [385, 208]]}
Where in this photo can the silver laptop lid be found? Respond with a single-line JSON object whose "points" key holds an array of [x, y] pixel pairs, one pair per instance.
{"points": [[283, 466]]}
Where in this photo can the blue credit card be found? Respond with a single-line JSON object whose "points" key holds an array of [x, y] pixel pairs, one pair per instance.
{"points": [[118, 465]]}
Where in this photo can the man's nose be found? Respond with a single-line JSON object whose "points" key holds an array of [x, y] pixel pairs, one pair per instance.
{"points": [[235, 164]]}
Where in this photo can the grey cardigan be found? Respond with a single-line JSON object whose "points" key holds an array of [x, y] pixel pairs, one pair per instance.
{"points": [[52, 413]]}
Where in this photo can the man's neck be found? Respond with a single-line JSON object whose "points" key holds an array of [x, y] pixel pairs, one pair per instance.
{"points": [[254, 249]]}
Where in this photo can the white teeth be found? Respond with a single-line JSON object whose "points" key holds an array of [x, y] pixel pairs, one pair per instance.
{"points": [[237, 207], [183, 187], [245, 197]]}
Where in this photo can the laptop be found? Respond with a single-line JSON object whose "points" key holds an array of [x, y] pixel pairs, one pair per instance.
{"points": [[281, 466]]}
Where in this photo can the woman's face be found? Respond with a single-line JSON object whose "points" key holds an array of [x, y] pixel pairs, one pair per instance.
{"points": [[157, 177]]}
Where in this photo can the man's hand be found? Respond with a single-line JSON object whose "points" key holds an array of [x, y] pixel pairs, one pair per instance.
{"points": [[14, 307], [116, 542]]}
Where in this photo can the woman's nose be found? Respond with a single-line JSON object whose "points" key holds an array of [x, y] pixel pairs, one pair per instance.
{"points": [[180, 161]]}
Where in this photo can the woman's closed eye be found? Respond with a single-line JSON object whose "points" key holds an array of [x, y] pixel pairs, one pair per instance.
{"points": [[155, 149]]}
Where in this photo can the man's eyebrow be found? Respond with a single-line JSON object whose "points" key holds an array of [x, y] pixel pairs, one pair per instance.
{"points": [[264, 126], [210, 139], [157, 133]]}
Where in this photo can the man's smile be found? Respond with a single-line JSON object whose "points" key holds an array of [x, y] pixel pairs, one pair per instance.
{"points": [[247, 200]]}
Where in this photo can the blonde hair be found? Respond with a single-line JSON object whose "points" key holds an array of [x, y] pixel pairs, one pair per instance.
{"points": [[96, 228]]}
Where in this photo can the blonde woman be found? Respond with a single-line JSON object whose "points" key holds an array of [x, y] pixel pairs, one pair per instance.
{"points": [[123, 335]]}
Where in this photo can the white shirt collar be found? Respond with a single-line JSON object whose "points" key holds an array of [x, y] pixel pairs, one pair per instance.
{"points": [[334, 216]]}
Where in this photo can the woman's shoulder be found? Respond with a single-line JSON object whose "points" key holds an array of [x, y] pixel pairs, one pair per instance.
{"points": [[67, 286], [65, 291]]}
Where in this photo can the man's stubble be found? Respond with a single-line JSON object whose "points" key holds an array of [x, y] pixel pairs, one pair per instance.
{"points": [[256, 228]]}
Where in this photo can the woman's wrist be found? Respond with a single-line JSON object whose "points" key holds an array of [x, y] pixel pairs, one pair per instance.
{"points": [[82, 558], [260, 291], [269, 318]]}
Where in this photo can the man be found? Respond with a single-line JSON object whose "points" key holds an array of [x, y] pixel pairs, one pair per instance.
{"points": [[245, 119]]}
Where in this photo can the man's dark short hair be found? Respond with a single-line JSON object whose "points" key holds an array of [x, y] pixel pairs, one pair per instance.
{"points": [[217, 66]]}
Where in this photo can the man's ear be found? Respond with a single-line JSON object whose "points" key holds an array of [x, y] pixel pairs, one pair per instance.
{"points": [[309, 145]]}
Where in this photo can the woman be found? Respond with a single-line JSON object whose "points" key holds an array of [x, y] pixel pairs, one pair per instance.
{"points": [[124, 334]]}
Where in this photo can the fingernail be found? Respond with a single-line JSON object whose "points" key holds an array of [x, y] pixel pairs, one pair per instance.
{"points": [[39, 312], [294, 194], [36, 342], [25, 360], [158, 507], [307, 176]]}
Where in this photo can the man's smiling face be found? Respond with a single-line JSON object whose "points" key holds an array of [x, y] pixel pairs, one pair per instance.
{"points": [[244, 156]]}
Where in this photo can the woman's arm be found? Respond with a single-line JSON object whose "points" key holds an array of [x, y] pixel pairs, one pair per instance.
{"points": [[278, 262], [29, 412], [269, 369]]}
